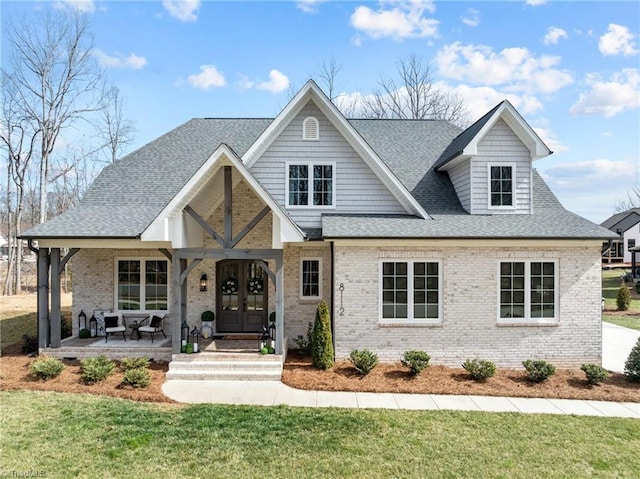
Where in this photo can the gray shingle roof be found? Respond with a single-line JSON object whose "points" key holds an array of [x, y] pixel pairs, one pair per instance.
{"points": [[623, 221], [128, 195]]}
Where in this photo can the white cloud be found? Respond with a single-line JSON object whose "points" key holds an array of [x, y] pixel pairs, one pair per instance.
{"points": [[535, 3], [609, 97], [554, 34], [208, 77], [119, 60], [278, 82], [397, 19], [82, 6], [551, 140], [471, 17], [580, 174], [183, 10], [309, 6], [617, 41], [516, 69]]}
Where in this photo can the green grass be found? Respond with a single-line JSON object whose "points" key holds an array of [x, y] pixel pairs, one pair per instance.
{"points": [[87, 436], [632, 322], [610, 284], [14, 325]]}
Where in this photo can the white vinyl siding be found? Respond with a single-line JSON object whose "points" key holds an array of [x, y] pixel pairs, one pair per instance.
{"points": [[357, 188], [460, 177], [500, 146]]}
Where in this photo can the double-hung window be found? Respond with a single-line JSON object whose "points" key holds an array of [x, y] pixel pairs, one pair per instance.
{"points": [[310, 278], [411, 290], [142, 285], [310, 184], [528, 290], [501, 186]]}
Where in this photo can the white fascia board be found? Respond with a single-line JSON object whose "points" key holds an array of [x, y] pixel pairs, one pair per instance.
{"points": [[311, 91], [221, 156]]}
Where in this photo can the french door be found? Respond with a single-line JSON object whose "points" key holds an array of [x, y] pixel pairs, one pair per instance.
{"points": [[241, 296]]}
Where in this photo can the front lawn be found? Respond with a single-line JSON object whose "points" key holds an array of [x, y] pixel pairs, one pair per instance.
{"points": [[63, 435], [631, 322], [611, 283]]}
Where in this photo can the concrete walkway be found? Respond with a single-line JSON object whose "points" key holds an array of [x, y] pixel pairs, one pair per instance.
{"points": [[617, 343], [273, 393]]}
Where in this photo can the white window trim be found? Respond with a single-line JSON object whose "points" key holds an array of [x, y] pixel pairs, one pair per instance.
{"points": [[311, 298], [310, 164], [310, 119], [528, 320], [410, 320], [143, 291], [513, 186]]}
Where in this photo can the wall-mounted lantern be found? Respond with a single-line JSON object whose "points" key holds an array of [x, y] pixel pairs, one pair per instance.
{"points": [[203, 282]]}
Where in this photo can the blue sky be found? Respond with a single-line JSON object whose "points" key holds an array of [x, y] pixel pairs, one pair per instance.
{"points": [[572, 69]]}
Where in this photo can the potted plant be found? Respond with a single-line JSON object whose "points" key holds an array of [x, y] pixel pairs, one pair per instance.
{"points": [[207, 318]]}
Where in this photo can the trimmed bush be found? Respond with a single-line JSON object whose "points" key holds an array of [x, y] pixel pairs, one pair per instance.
{"points": [[538, 371], [321, 340], [416, 361], [126, 364], [303, 343], [84, 333], [632, 364], [137, 378], [46, 368], [623, 300], [480, 369], [363, 360], [93, 370], [595, 374]]}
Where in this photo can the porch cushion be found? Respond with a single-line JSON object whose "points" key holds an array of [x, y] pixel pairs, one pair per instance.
{"points": [[156, 322], [111, 321]]}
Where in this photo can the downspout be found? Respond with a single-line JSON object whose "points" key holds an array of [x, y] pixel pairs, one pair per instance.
{"points": [[333, 299]]}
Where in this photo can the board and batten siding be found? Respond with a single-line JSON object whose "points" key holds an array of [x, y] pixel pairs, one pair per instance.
{"points": [[358, 189], [500, 145], [460, 177]]}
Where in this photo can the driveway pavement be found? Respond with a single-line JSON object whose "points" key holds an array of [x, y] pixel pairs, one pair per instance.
{"points": [[617, 343]]}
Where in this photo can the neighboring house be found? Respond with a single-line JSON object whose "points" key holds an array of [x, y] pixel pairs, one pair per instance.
{"points": [[417, 234], [626, 226]]}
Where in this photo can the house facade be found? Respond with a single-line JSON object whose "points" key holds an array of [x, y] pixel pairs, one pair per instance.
{"points": [[626, 226], [417, 234]]}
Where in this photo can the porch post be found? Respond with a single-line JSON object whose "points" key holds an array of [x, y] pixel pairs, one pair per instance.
{"points": [[279, 305], [183, 290], [55, 298], [43, 297], [176, 309]]}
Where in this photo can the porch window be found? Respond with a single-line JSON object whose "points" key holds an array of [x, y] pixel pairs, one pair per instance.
{"points": [[528, 290], [411, 290], [142, 285], [501, 183], [310, 184], [311, 278]]}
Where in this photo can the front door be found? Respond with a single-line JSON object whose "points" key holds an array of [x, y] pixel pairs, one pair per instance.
{"points": [[241, 296]]}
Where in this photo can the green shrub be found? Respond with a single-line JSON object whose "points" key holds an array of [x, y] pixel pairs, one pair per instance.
{"points": [[321, 340], [416, 361], [538, 371], [480, 369], [29, 344], [46, 368], [96, 369], [84, 333], [632, 364], [595, 374], [363, 360], [127, 364], [623, 300], [66, 330], [137, 378], [303, 343]]}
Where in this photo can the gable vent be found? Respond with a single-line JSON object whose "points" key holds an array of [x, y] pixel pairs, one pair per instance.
{"points": [[310, 129]]}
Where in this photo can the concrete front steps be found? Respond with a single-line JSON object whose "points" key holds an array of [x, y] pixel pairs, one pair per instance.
{"points": [[231, 366]]}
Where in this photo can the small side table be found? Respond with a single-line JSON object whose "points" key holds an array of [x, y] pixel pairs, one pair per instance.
{"points": [[134, 330]]}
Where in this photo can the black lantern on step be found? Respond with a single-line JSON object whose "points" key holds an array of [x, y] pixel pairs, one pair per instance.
{"points": [[203, 282], [184, 335], [272, 331], [82, 317], [93, 327], [195, 339]]}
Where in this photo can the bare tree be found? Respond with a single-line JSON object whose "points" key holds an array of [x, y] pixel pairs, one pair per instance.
{"points": [[55, 78], [414, 95], [114, 129], [326, 76], [632, 201]]}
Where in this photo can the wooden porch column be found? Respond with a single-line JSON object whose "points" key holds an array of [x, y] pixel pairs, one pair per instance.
{"points": [[279, 305], [55, 298], [43, 297], [176, 308], [228, 207], [183, 290]]}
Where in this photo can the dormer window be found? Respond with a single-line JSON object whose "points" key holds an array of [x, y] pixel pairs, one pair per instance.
{"points": [[310, 129], [501, 185]]}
